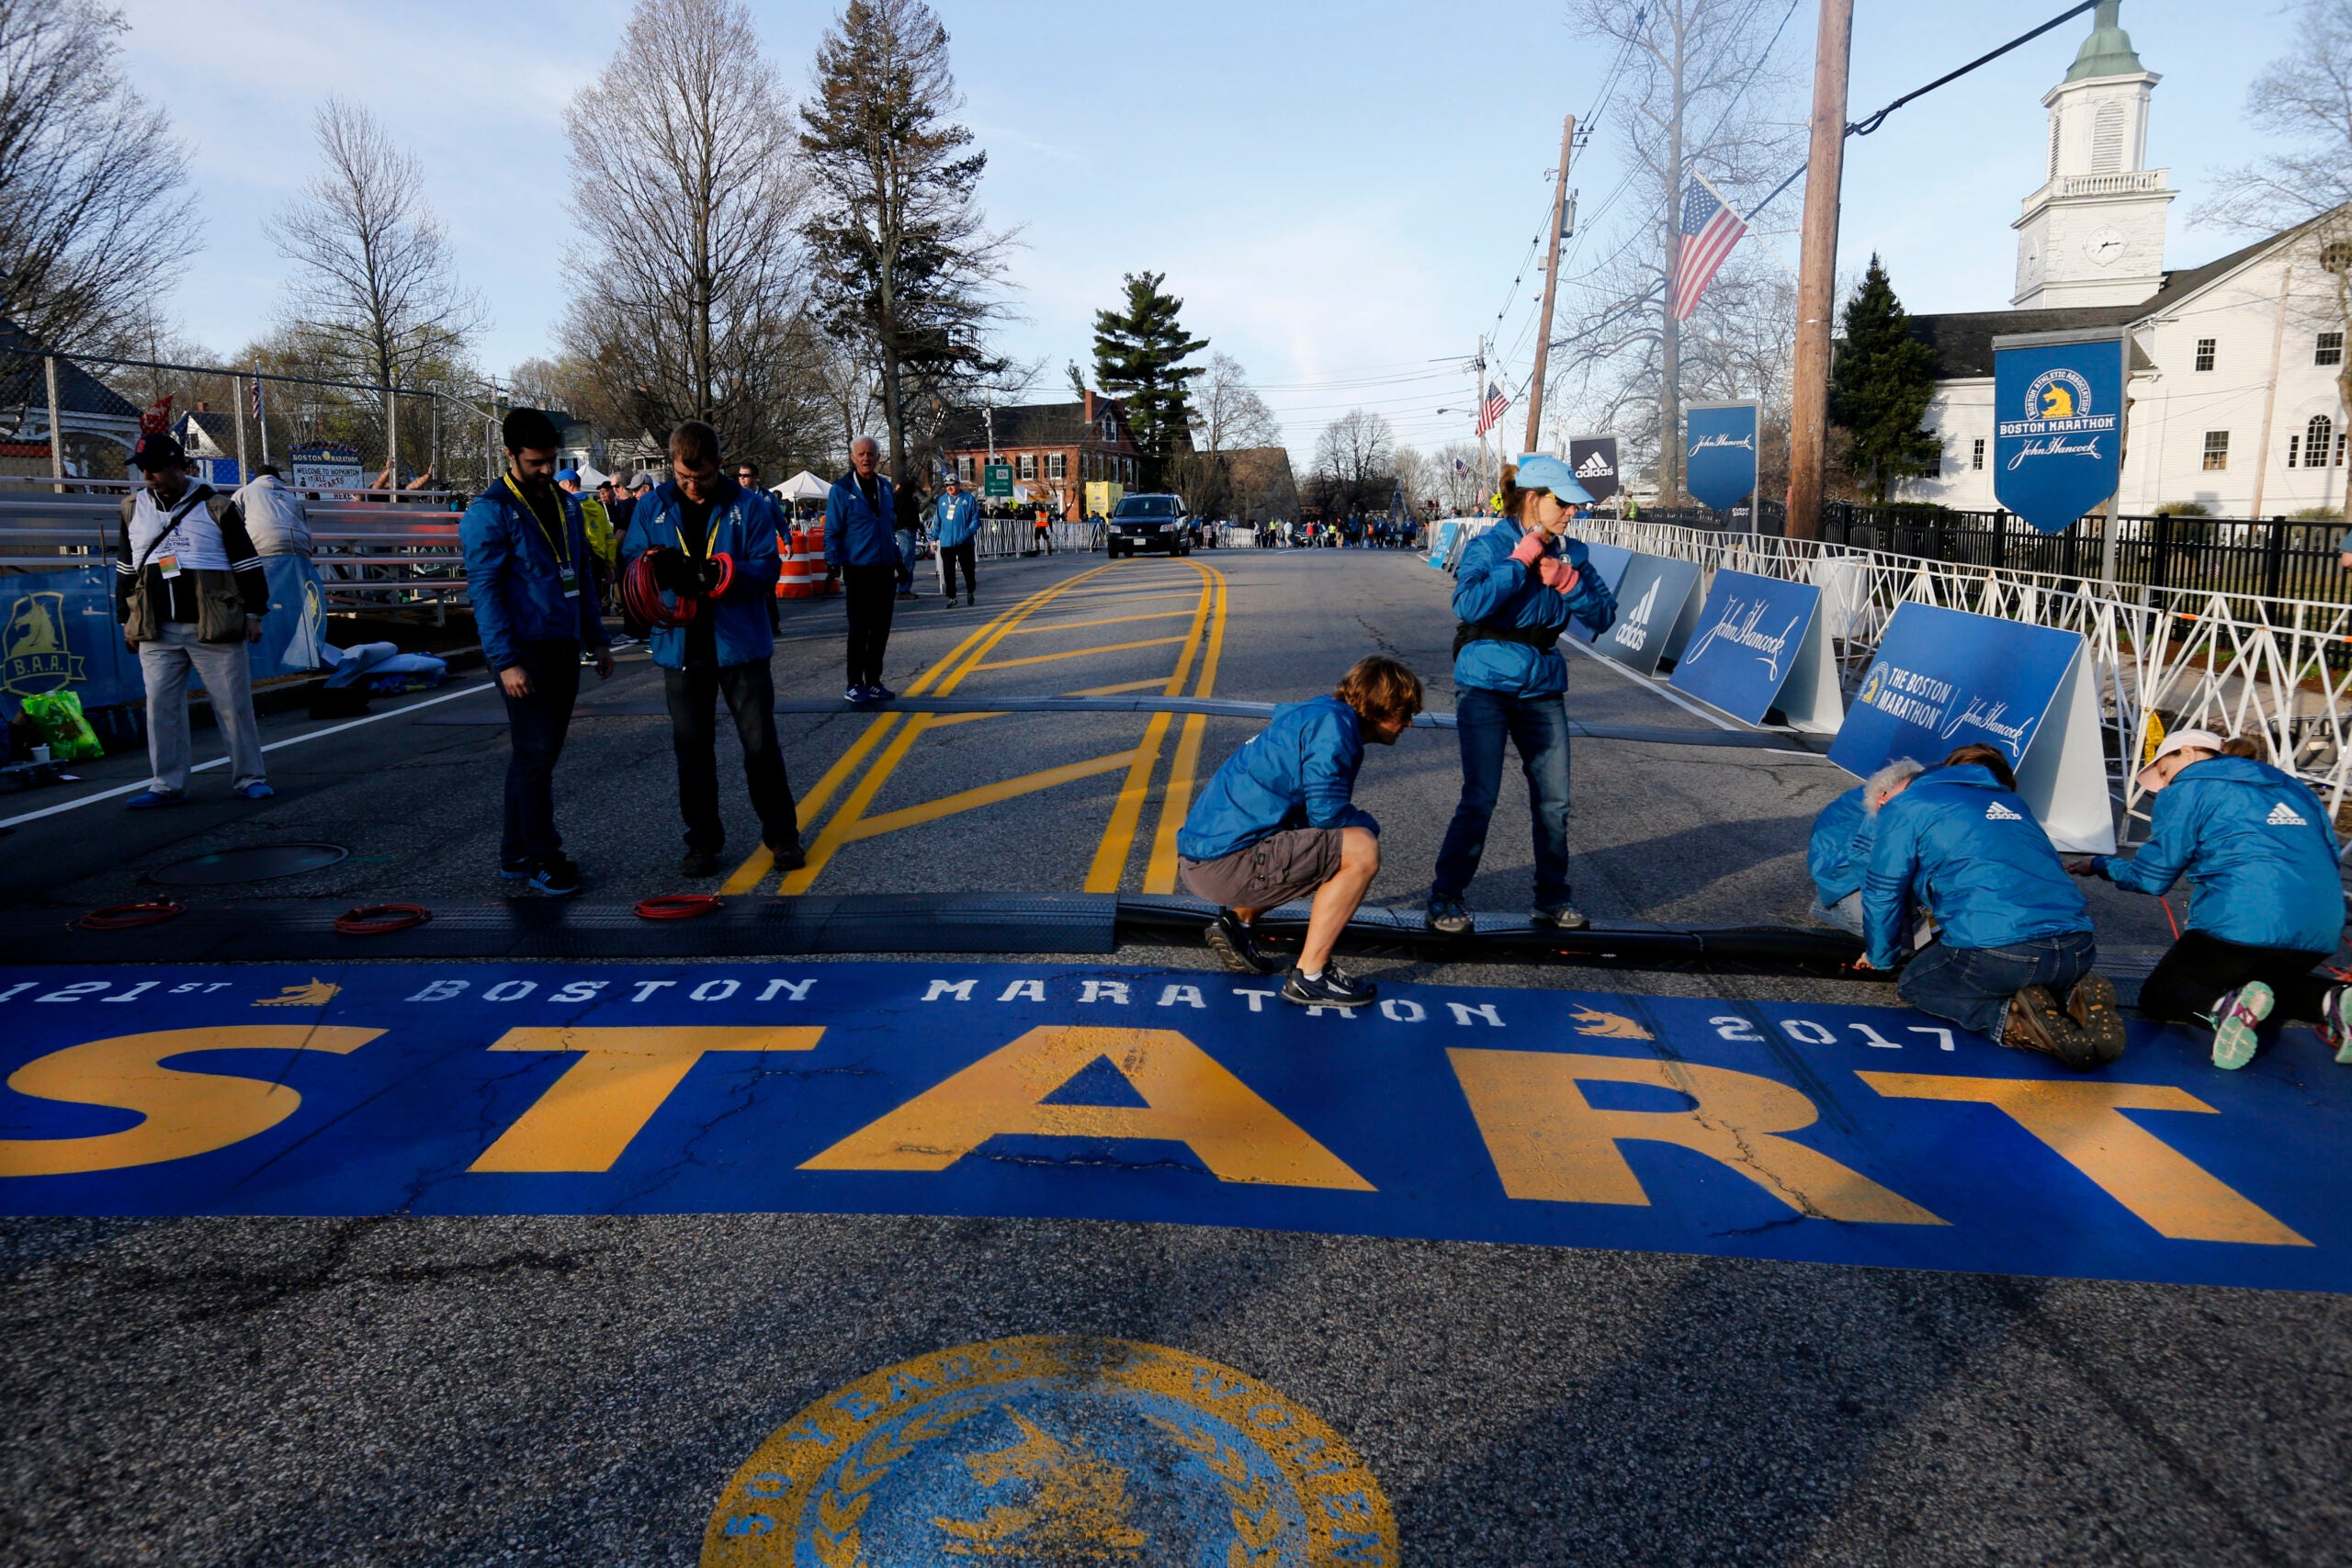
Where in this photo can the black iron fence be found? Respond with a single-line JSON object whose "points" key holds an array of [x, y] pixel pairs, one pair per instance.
{"points": [[2277, 558]]}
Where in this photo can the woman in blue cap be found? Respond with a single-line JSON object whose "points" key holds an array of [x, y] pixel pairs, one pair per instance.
{"points": [[1519, 585]]}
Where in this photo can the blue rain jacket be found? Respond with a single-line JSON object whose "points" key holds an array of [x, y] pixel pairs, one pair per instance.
{"points": [[857, 533], [1491, 588], [512, 582], [744, 527], [2259, 846], [1840, 847], [1969, 849], [954, 519], [1298, 772]]}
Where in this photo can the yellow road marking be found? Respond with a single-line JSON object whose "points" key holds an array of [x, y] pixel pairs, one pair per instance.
{"points": [[988, 794], [1118, 837], [1120, 690], [1106, 621], [1082, 652], [1160, 871]]}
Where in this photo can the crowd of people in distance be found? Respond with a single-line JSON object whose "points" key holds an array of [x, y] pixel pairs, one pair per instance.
{"points": [[1377, 532]]}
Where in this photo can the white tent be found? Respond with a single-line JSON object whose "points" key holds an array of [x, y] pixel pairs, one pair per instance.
{"points": [[803, 486]]}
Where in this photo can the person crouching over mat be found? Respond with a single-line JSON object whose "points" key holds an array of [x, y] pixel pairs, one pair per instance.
{"points": [[1519, 585], [1279, 822], [699, 565], [2268, 903], [2012, 933], [1840, 849]]}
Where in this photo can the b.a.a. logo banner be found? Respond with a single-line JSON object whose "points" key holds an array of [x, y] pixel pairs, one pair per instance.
{"points": [[1722, 453], [1594, 459], [35, 655], [2058, 426]]}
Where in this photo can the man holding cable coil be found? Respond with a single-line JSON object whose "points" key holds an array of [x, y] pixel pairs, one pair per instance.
{"points": [[698, 566]]}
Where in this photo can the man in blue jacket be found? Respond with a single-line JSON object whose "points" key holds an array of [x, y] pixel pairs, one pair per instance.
{"points": [[861, 550], [954, 524], [2269, 902], [714, 547], [533, 597], [1519, 585], [2012, 932], [1279, 822], [1839, 848]]}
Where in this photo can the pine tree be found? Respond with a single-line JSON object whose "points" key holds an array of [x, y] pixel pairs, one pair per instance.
{"points": [[1139, 354], [1881, 387]]}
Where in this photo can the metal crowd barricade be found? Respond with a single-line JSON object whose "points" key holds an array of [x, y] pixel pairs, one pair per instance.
{"points": [[2235, 662]]}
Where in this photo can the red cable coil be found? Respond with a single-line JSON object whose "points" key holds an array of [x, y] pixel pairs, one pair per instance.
{"points": [[378, 920], [128, 917], [643, 598], [677, 905]]}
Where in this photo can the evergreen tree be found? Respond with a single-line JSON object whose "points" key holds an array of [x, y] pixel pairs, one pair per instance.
{"points": [[1139, 355], [1879, 389]]}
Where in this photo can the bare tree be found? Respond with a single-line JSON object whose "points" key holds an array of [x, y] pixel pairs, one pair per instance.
{"points": [[1459, 477], [1227, 411], [94, 217], [2304, 100], [1353, 461], [907, 267], [1697, 80], [375, 292]]}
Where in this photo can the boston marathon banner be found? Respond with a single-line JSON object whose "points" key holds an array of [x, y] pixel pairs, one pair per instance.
{"points": [[1594, 460], [1721, 449], [1943, 678], [1763, 644], [1657, 608], [2058, 425], [1801, 1131]]}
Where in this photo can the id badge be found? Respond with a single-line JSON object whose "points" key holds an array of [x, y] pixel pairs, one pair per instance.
{"points": [[170, 565], [571, 580]]}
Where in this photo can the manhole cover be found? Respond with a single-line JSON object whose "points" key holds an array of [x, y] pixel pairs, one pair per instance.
{"points": [[256, 864]]}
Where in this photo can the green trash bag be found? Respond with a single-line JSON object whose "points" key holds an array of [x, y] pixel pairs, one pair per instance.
{"points": [[58, 714]]}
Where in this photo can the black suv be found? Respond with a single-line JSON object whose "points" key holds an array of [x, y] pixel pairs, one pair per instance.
{"points": [[1152, 523]]}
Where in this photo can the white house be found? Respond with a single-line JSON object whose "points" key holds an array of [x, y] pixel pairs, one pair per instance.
{"points": [[2233, 399]]}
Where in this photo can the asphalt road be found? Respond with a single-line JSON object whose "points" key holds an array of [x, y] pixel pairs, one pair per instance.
{"points": [[545, 1388]]}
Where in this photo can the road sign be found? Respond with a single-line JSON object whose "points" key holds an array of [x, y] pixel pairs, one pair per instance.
{"points": [[996, 480]]}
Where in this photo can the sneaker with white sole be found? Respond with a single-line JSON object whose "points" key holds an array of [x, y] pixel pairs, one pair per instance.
{"points": [[1334, 988], [1559, 917], [2235, 1019], [2333, 1028], [1446, 914]]}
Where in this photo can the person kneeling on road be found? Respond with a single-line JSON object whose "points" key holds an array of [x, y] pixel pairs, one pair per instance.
{"points": [[2012, 933], [2269, 902], [1279, 822], [1839, 851], [713, 543]]}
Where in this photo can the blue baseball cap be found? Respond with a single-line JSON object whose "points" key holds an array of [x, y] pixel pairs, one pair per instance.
{"points": [[1539, 472], [566, 476]]}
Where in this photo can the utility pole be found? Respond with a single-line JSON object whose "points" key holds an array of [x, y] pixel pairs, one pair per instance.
{"points": [[1551, 287], [1817, 270]]}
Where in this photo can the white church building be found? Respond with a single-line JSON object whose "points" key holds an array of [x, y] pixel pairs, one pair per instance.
{"points": [[2233, 401]]}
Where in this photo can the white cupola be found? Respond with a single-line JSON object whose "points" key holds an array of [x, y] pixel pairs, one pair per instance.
{"points": [[2094, 233]]}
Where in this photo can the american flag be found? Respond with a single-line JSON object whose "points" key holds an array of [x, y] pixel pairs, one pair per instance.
{"points": [[1492, 410], [1710, 230]]}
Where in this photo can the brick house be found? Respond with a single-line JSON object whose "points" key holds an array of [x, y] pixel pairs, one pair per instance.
{"points": [[1055, 449]]}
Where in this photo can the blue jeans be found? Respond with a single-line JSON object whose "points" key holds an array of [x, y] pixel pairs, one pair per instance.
{"points": [[1971, 985], [1537, 729], [1846, 914], [906, 569]]}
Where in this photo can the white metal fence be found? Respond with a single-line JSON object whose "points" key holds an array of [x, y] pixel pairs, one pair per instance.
{"points": [[2237, 663]]}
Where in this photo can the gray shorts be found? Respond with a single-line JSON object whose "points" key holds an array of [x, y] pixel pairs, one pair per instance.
{"points": [[1275, 870]]}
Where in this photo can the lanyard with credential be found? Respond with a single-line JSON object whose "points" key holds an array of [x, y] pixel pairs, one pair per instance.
{"points": [[558, 543]]}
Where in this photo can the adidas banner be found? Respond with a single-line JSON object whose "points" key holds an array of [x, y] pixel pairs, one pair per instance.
{"points": [[1594, 458], [1657, 606]]}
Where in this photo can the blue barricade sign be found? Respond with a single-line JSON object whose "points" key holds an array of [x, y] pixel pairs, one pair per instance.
{"points": [[1721, 462], [2057, 426], [61, 634], [1762, 644], [1755, 1129], [1609, 562], [1657, 606], [1442, 539], [1943, 678]]}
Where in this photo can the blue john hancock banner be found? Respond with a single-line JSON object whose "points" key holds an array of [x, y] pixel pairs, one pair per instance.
{"points": [[1944, 679], [1722, 453], [1751, 636], [2057, 430]]}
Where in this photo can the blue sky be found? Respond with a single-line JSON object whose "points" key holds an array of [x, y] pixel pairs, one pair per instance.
{"points": [[1341, 196]]}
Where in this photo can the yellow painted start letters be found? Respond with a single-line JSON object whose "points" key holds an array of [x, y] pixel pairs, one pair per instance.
{"points": [[1548, 1142], [1189, 1097]]}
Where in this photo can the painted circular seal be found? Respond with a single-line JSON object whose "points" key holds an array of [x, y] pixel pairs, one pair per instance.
{"points": [[1048, 1450]]}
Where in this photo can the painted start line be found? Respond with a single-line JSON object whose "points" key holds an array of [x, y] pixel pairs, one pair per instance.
{"points": [[1833, 1135]]}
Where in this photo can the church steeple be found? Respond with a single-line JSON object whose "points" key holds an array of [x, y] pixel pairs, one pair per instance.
{"points": [[2093, 232]]}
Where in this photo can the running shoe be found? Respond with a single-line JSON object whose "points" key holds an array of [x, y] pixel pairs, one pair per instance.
{"points": [[516, 870], [1334, 988], [556, 876], [2036, 1023], [2098, 1013], [854, 694], [1237, 945], [878, 692], [2333, 1028], [1446, 914], [256, 790], [1560, 917], [149, 799], [2236, 1017]]}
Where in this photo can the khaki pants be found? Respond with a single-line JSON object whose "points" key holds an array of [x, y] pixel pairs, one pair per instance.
{"points": [[227, 677]]}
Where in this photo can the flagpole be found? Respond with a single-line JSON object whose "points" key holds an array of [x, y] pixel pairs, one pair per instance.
{"points": [[1748, 224]]}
